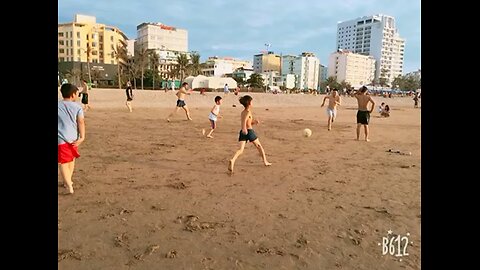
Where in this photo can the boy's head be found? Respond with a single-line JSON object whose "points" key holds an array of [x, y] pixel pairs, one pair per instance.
{"points": [[246, 101], [185, 84], [218, 100], [383, 103], [363, 89], [68, 90]]}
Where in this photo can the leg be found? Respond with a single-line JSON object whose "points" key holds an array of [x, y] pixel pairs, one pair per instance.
{"points": [[329, 122], [261, 152], [66, 170], [209, 135], [129, 106], [366, 133], [358, 130], [174, 112], [237, 154], [213, 125], [185, 108]]}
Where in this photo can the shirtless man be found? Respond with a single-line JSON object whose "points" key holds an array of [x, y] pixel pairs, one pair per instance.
{"points": [[181, 101], [333, 101], [363, 114]]}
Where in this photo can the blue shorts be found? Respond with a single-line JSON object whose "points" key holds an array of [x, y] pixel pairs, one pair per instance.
{"points": [[181, 103], [250, 136]]}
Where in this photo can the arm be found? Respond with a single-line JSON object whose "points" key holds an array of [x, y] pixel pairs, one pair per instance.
{"points": [[323, 103], [81, 130], [373, 104], [212, 111], [244, 123], [339, 102]]}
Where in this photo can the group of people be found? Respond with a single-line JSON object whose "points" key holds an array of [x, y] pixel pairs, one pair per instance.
{"points": [[71, 125], [384, 110]]}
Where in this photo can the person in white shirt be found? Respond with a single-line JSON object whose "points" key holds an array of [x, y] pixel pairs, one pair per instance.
{"points": [[213, 116]]}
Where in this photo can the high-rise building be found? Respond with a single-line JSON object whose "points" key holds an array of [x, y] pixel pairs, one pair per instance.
{"points": [[162, 37], [305, 67], [355, 69], [265, 62], [377, 36]]}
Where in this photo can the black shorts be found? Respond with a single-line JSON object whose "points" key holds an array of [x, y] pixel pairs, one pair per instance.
{"points": [[250, 136], [84, 98], [181, 103], [363, 117]]}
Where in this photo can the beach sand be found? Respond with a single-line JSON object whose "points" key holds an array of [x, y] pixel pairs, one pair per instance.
{"points": [[156, 195]]}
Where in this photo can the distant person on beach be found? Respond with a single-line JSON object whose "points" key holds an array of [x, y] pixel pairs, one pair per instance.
{"points": [[415, 98], [247, 133], [363, 114], [333, 101], [213, 116], [226, 90], [181, 101], [172, 84], [84, 94], [71, 133], [129, 93], [381, 107], [202, 91], [386, 111], [237, 91]]}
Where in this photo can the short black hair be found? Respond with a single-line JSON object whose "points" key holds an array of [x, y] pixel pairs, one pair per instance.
{"points": [[68, 90], [185, 83], [335, 89], [245, 100], [217, 98], [363, 89]]}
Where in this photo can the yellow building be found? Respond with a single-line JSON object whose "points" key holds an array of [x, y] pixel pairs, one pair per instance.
{"points": [[266, 62], [85, 40]]}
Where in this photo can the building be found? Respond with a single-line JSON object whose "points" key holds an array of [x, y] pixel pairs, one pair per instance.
{"points": [[266, 62], [377, 36], [322, 73], [305, 67], [242, 73], [131, 47], [90, 48], [220, 66], [355, 69], [161, 36]]}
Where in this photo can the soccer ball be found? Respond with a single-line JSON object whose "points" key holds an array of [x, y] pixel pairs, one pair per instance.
{"points": [[307, 132]]}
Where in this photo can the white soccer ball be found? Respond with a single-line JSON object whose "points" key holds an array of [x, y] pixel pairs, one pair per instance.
{"points": [[307, 132]]}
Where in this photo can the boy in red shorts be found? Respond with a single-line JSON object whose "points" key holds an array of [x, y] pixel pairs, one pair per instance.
{"points": [[71, 133]]}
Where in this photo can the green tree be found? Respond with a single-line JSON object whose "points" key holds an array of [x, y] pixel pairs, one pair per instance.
{"points": [[195, 68], [141, 60], [182, 63], [154, 63], [383, 80], [120, 55], [255, 80]]}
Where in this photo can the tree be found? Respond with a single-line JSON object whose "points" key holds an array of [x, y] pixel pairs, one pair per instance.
{"points": [[120, 55], [239, 80], [195, 68], [255, 80], [182, 63], [154, 63], [383, 80], [141, 61], [331, 82]]}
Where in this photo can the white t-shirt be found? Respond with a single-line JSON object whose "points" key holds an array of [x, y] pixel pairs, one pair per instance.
{"points": [[216, 110]]}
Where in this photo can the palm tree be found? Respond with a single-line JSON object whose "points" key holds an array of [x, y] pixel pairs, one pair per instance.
{"points": [[141, 61], [154, 63], [182, 63], [120, 54], [195, 67]]}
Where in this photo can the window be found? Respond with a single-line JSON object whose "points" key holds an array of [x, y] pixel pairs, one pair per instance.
{"points": [[78, 59], [60, 34], [61, 42], [68, 51], [78, 34], [71, 52], [61, 59], [61, 51], [71, 34], [78, 52], [66, 34], [78, 43], [94, 44]]}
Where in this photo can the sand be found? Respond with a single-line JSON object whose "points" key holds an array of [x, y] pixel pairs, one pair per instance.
{"points": [[156, 195]]}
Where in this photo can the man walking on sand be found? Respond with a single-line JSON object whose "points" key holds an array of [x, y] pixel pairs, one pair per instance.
{"points": [[363, 114], [181, 101], [333, 101]]}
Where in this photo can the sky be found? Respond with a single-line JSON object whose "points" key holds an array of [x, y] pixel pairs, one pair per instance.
{"points": [[241, 29]]}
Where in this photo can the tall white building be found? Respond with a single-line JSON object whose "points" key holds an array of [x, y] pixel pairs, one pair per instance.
{"points": [[305, 67], [160, 36], [355, 69], [377, 36]]}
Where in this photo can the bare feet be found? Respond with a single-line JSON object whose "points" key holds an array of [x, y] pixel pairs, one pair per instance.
{"points": [[367, 140], [209, 136], [268, 164], [357, 139], [69, 189], [189, 119], [329, 129], [230, 166], [168, 120]]}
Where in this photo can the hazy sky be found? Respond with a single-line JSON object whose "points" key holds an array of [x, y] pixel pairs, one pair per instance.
{"points": [[241, 28]]}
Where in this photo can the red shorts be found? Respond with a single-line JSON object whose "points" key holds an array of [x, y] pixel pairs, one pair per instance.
{"points": [[67, 152]]}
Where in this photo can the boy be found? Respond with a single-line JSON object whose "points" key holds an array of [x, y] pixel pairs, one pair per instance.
{"points": [[363, 114], [214, 114], [129, 93], [247, 133], [71, 133], [333, 101], [181, 101], [85, 95]]}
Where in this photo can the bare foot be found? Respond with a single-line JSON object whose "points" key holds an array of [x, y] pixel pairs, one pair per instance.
{"points": [[69, 189], [329, 129], [209, 136], [189, 119], [367, 140], [268, 164], [168, 120], [357, 139], [203, 131]]}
